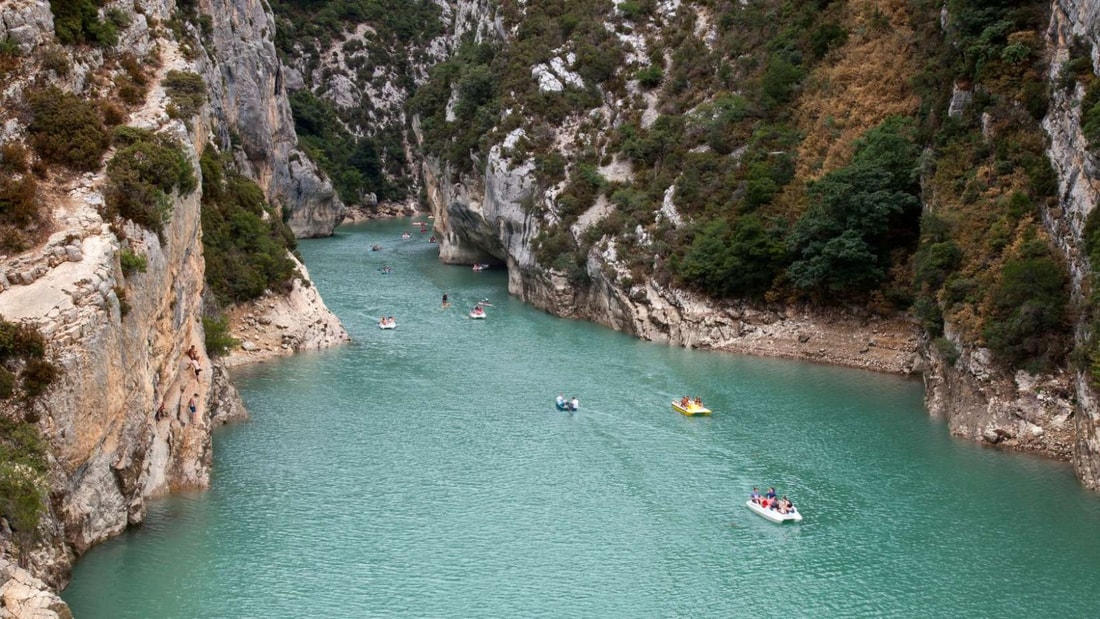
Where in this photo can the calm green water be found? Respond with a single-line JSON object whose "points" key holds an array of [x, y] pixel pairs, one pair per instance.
{"points": [[424, 472]]}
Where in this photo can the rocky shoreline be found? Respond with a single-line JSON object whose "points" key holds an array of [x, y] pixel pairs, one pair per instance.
{"points": [[358, 213], [278, 325], [888, 345]]}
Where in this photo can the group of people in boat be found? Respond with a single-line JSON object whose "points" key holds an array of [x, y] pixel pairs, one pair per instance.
{"points": [[478, 310], [387, 321], [480, 266], [769, 501], [567, 405], [689, 402]]}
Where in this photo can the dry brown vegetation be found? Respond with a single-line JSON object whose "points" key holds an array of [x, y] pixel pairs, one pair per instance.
{"points": [[863, 82]]}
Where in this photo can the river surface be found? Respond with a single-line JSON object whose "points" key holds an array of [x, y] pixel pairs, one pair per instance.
{"points": [[424, 472]]}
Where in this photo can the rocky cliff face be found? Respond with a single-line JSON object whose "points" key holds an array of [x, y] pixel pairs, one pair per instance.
{"points": [[117, 420], [1079, 184], [1054, 414], [22, 595], [483, 219], [249, 96]]}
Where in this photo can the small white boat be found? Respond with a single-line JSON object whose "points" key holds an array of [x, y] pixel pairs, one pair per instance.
{"points": [[773, 514], [477, 315], [387, 325]]}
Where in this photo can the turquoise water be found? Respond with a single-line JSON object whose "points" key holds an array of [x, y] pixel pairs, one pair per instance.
{"points": [[424, 472]]}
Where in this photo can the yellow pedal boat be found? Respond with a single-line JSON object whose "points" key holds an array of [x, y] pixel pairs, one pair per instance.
{"points": [[690, 409]]}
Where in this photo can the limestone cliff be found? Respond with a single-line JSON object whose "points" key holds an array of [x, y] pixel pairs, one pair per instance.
{"points": [[117, 421], [249, 97], [1079, 184], [1055, 414], [482, 219]]}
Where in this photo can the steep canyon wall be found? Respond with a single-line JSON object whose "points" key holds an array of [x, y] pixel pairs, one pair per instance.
{"points": [[116, 421]]}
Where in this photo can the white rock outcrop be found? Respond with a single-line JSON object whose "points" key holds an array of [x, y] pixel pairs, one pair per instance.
{"points": [[22, 596]]}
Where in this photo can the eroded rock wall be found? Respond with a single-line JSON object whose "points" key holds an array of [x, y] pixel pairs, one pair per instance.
{"points": [[1054, 414], [117, 419], [1078, 173], [249, 96]]}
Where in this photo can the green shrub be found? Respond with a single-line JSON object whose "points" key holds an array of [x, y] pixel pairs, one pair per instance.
{"points": [[187, 92], [23, 481], [947, 350], [780, 79], [66, 129], [20, 341], [145, 169], [77, 21], [842, 243], [1090, 116], [827, 36], [218, 339], [37, 376], [1028, 325], [7, 383], [935, 262], [55, 59], [23, 355], [928, 311], [245, 242], [131, 261], [650, 77], [737, 261]]}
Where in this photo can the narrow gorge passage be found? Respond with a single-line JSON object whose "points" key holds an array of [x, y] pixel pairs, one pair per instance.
{"points": [[424, 471]]}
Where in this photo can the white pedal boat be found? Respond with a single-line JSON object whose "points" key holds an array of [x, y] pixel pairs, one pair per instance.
{"points": [[773, 514]]}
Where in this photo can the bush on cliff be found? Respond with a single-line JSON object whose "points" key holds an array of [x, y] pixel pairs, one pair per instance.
{"points": [[66, 129], [187, 92], [23, 353], [22, 478], [740, 260], [218, 339], [841, 243], [77, 21], [245, 242], [19, 211], [1028, 323], [1090, 116], [22, 455], [145, 170]]}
